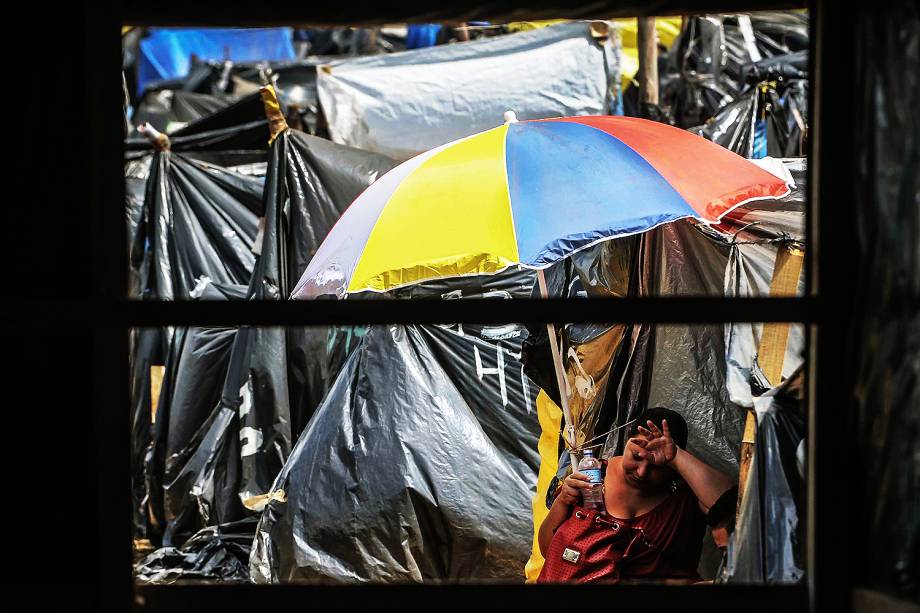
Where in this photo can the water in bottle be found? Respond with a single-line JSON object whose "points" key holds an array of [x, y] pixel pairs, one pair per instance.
{"points": [[593, 498]]}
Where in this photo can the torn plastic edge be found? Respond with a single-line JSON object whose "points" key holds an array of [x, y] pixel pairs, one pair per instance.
{"points": [[276, 122], [259, 502]]}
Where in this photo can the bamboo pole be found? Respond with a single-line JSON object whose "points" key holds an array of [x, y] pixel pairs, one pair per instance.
{"points": [[647, 76]]}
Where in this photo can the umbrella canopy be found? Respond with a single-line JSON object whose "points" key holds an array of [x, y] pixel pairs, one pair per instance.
{"points": [[527, 193]]}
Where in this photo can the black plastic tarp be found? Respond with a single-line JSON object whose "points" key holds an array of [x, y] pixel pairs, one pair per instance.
{"points": [[776, 114], [768, 545], [239, 126], [199, 220], [216, 554], [168, 110], [710, 61], [235, 399], [387, 481]]}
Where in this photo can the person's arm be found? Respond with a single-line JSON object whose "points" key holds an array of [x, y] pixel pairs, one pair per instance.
{"points": [[707, 483], [561, 509]]}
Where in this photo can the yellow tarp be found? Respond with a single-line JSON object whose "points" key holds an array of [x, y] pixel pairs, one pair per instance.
{"points": [[550, 417], [667, 28]]}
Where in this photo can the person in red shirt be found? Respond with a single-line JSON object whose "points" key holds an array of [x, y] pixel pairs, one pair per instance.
{"points": [[659, 490]]}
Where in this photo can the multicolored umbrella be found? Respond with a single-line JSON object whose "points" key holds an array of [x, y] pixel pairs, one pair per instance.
{"points": [[528, 193]]}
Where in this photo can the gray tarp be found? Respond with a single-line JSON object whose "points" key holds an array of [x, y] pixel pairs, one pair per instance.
{"points": [[402, 104]]}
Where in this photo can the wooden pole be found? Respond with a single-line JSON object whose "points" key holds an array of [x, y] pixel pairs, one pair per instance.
{"points": [[569, 431], [772, 351], [648, 61]]}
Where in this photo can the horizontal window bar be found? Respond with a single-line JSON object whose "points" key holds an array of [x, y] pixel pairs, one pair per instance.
{"points": [[422, 311], [648, 598]]}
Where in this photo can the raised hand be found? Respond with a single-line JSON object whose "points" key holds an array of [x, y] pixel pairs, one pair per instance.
{"points": [[658, 447]]}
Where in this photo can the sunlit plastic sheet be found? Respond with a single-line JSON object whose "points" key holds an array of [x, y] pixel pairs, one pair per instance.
{"points": [[886, 336], [294, 82], [215, 554], [706, 65], [768, 545], [405, 103], [167, 110], [387, 481], [199, 222]]}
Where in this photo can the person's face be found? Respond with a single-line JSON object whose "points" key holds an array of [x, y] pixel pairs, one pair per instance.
{"points": [[639, 472]]}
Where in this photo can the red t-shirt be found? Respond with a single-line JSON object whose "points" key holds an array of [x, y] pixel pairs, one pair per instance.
{"points": [[670, 539]]}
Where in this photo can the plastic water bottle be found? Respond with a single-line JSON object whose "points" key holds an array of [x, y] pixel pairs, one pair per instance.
{"points": [[593, 498]]}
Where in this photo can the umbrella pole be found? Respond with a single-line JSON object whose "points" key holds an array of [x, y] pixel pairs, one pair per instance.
{"points": [[569, 431]]}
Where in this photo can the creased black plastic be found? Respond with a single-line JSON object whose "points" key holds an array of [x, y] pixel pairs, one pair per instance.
{"points": [[168, 107], [768, 545], [191, 452], [387, 481], [707, 63], [217, 449], [137, 172], [886, 338], [147, 349], [216, 554], [199, 220], [240, 125], [785, 109]]}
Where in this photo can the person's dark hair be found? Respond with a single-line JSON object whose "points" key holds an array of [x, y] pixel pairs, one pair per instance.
{"points": [[676, 424]]}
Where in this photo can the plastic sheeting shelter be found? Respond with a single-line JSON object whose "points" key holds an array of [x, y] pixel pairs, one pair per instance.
{"points": [[377, 458], [709, 373], [391, 485], [167, 52], [233, 400], [405, 103]]}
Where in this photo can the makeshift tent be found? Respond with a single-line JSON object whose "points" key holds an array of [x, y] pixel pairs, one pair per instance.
{"points": [[166, 53], [708, 373], [220, 447], [404, 103], [380, 486], [187, 204]]}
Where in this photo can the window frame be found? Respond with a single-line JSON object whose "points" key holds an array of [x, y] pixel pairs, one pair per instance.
{"points": [[111, 315]]}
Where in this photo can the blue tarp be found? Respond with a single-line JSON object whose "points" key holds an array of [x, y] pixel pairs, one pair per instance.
{"points": [[419, 35], [166, 53]]}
